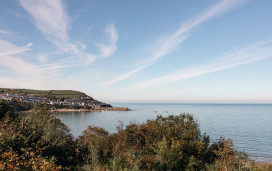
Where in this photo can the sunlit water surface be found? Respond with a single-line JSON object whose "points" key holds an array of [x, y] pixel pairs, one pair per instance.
{"points": [[248, 125]]}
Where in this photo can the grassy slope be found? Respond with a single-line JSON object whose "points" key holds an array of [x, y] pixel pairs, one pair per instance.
{"points": [[56, 93]]}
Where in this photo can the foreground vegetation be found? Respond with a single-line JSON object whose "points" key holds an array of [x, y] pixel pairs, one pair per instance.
{"points": [[40, 141]]}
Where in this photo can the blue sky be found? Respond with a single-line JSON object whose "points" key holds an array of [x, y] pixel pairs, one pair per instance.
{"points": [[214, 51]]}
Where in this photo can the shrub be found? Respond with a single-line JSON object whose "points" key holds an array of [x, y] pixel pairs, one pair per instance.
{"points": [[166, 143], [47, 137]]}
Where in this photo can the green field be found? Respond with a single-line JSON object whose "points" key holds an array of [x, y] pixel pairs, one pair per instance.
{"points": [[52, 93]]}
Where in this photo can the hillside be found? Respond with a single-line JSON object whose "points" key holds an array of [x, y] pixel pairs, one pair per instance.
{"points": [[23, 99], [45, 93]]}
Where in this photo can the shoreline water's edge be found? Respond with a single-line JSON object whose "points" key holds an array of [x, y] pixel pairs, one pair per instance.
{"points": [[87, 110], [260, 163], [92, 110]]}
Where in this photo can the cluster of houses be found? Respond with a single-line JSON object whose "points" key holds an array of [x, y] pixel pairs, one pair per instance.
{"points": [[86, 102]]}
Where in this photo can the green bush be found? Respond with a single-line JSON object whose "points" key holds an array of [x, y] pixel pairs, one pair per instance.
{"points": [[166, 143], [39, 131]]}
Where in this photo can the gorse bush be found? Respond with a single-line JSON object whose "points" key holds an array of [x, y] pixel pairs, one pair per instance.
{"points": [[40, 141]]}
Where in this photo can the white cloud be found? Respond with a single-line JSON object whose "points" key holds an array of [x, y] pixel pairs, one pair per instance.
{"points": [[7, 48], [241, 56], [108, 49], [170, 43], [51, 18], [5, 32], [7, 51], [42, 59], [122, 77], [19, 73]]}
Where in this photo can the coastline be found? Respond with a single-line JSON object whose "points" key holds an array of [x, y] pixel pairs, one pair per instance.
{"points": [[86, 110], [91, 110], [263, 165], [260, 163]]}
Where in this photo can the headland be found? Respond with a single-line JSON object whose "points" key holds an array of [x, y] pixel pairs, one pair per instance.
{"points": [[56, 100]]}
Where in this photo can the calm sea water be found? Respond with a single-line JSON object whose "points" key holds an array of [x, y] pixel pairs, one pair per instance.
{"points": [[248, 125]]}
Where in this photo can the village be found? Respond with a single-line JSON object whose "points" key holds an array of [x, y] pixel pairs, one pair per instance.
{"points": [[73, 102]]}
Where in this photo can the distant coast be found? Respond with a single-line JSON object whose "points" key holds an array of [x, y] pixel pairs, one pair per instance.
{"points": [[87, 110], [91, 110], [56, 100]]}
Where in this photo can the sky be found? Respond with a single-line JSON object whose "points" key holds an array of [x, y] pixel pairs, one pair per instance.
{"points": [[178, 51]]}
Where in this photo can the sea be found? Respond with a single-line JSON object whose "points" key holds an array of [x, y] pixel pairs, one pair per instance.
{"points": [[248, 125]]}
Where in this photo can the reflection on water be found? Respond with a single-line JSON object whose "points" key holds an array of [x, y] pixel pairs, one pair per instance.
{"points": [[249, 126]]}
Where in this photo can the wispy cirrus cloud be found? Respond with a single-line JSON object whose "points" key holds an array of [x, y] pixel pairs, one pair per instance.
{"points": [[256, 52], [166, 45], [9, 49], [107, 50], [8, 52], [5, 32], [52, 19], [20, 73]]}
